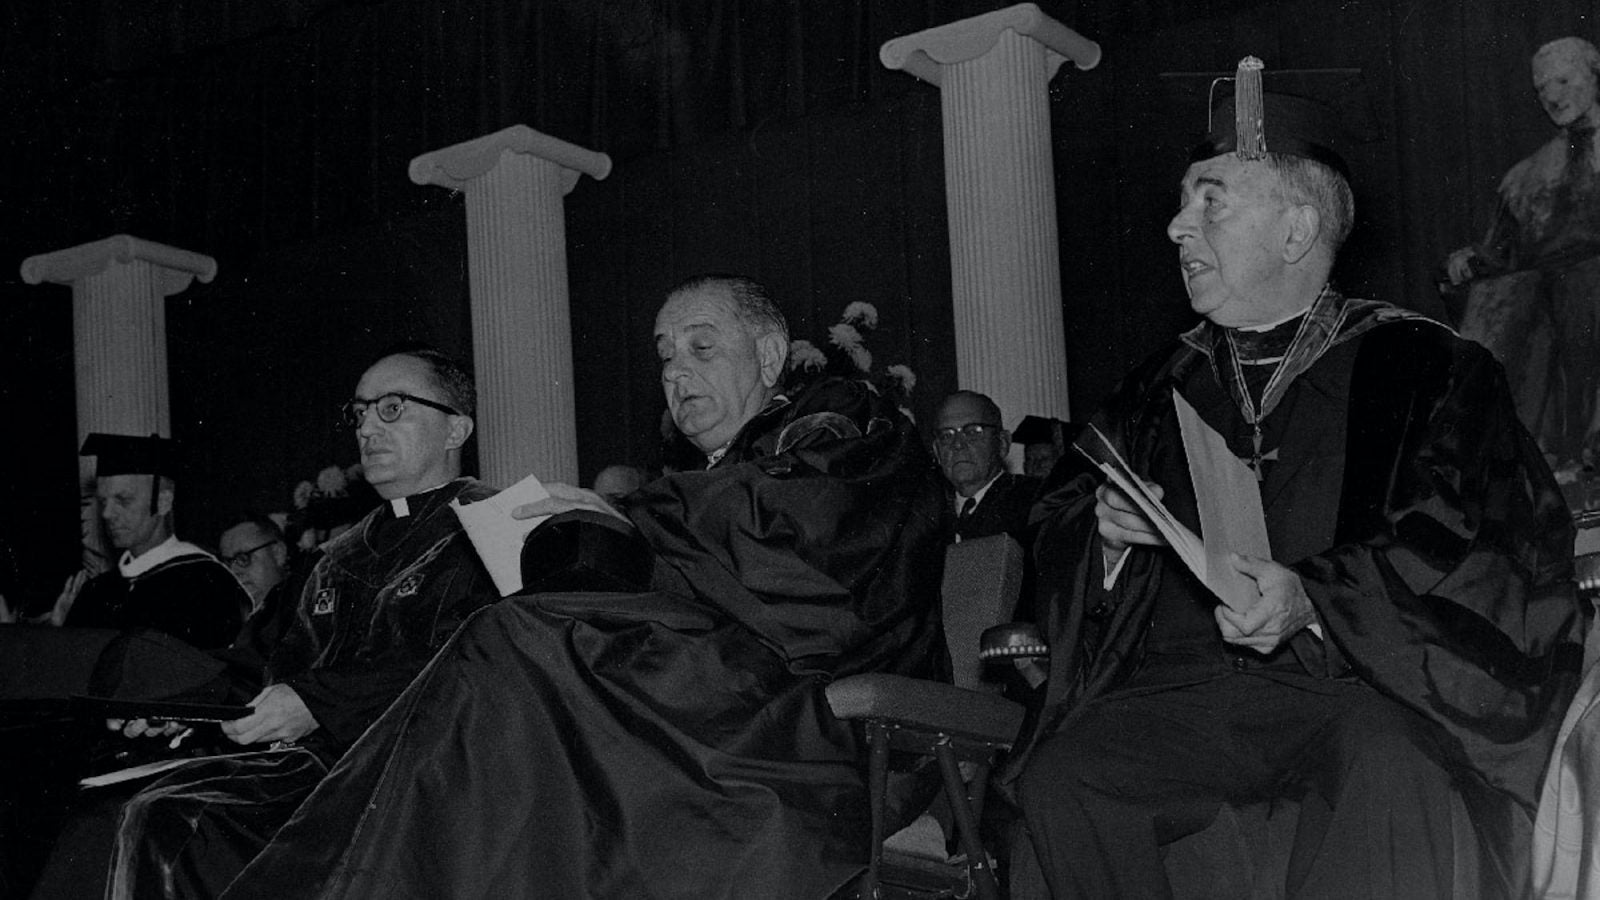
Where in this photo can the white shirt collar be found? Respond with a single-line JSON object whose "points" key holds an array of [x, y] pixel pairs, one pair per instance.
{"points": [[171, 548], [978, 496]]}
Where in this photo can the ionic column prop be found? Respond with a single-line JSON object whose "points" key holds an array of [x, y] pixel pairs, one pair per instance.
{"points": [[514, 182], [119, 324], [993, 72]]}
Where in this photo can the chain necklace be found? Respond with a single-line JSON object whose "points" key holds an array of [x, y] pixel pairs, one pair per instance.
{"points": [[1270, 395]]}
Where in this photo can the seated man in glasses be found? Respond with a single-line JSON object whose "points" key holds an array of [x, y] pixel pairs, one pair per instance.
{"points": [[373, 610], [255, 552], [971, 444]]}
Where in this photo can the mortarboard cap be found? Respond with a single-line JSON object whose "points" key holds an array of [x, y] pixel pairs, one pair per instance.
{"points": [[1247, 119], [121, 454], [1037, 430]]}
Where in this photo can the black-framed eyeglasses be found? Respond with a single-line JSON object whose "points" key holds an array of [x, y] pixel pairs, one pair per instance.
{"points": [[241, 560], [969, 432], [390, 407]]}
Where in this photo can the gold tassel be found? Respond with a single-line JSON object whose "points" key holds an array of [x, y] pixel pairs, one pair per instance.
{"points": [[1248, 114]]}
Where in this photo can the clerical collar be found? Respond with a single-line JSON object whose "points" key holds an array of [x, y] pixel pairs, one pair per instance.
{"points": [[401, 506], [1264, 344]]}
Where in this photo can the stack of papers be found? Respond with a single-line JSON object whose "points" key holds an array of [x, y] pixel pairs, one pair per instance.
{"points": [[1227, 495]]}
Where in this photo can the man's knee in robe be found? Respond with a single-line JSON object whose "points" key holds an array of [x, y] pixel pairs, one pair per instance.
{"points": [[1376, 743]]}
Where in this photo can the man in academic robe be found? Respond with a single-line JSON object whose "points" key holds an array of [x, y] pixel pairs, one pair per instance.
{"points": [[380, 601], [673, 743], [971, 444], [159, 581], [1401, 662], [1044, 441]]}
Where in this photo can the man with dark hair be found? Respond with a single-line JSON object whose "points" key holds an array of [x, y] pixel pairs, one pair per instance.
{"points": [[675, 742], [447, 374], [1398, 666], [377, 605], [159, 582], [256, 554], [971, 444]]}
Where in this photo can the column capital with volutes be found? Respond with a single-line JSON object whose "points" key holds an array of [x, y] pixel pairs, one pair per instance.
{"points": [[178, 267], [924, 54], [458, 165]]}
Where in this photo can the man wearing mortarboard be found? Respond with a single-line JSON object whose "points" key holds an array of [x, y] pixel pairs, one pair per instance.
{"points": [[1044, 440], [1398, 665], [159, 581]]}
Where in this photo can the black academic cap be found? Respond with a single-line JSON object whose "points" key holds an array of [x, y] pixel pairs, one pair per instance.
{"points": [[122, 454], [1035, 430], [1282, 112]]}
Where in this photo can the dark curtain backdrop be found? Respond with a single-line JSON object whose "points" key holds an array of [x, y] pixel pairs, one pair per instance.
{"points": [[758, 136]]}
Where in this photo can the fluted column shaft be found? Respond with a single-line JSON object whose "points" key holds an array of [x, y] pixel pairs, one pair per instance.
{"points": [[993, 72], [514, 182], [119, 325]]}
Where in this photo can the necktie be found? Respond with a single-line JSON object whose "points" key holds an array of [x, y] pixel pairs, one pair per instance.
{"points": [[965, 516]]}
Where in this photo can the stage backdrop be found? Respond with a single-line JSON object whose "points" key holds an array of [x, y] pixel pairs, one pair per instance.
{"points": [[757, 136]]}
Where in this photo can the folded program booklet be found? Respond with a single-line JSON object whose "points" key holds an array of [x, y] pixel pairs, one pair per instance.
{"points": [[161, 710], [496, 535], [1227, 496]]}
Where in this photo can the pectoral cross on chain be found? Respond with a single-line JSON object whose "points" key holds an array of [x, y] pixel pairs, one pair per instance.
{"points": [[1257, 457]]}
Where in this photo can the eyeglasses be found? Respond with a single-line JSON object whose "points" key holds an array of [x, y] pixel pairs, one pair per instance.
{"points": [[241, 560], [390, 407], [968, 432]]}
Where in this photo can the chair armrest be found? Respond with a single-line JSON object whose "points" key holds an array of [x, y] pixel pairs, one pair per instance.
{"points": [[925, 704], [1012, 640]]}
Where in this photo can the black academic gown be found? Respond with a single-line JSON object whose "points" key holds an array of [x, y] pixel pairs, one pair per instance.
{"points": [[381, 600], [192, 597], [1419, 515], [675, 743]]}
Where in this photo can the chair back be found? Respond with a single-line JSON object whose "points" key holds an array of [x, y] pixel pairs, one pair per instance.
{"points": [[982, 579]]}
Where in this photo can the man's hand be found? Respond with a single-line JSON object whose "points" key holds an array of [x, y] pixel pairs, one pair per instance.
{"points": [[563, 498], [1121, 524], [280, 715], [1281, 610], [64, 600], [137, 728], [1459, 265]]}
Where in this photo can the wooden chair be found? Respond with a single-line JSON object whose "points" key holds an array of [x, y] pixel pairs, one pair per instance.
{"points": [[965, 721]]}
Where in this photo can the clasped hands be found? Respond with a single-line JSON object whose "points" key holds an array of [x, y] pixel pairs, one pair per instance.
{"points": [[1280, 608]]}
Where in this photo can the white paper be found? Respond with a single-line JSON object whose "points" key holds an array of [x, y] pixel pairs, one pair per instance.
{"points": [[1104, 455], [496, 536], [156, 768], [1228, 496]]}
